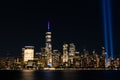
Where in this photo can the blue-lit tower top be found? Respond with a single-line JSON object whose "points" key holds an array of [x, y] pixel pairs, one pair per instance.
{"points": [[48, 26], [48, 37]]}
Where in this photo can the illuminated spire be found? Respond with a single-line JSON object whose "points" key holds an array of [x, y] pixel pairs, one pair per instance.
{"points": [[48, 26]]}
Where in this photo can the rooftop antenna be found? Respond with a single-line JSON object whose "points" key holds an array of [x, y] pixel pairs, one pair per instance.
{"points": [[48, 26]]}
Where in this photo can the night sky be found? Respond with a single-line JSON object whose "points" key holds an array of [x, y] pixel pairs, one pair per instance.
{"points": [[71, 22]]}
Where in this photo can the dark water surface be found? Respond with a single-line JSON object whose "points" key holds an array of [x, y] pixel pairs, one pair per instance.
{"points": [[59, 75]]}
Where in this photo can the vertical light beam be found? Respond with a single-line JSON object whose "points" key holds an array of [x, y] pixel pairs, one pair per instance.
{"points": [[110, 27], [104, 9]]}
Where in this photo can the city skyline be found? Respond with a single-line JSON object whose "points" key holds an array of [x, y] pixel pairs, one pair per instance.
{"points": [[70, 22]]}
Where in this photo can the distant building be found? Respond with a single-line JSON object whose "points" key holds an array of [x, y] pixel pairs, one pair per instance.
{"points": [[56, 58], [71, 53], [28, 53], [65, 53]]}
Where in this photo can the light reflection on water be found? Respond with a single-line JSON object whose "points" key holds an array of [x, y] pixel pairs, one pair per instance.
{"points": [[59, 75], [27, 75], [38, 75]]}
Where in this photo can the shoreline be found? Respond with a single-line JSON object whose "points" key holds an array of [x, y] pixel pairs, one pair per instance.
{"points": [[64, 69]]}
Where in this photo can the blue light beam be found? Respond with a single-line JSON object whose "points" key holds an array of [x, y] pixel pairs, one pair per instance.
{"points": [[104, 9], [107, 21], [110, 27]]}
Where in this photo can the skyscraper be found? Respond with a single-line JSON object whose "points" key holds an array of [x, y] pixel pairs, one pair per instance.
{"points": [[71, 52], [48, 46], [65, 53], [28, 53]]}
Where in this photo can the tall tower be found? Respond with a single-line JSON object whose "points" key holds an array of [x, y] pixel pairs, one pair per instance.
{"points": [[48, 46], [72, 49], [65, 53], [71, 52]]}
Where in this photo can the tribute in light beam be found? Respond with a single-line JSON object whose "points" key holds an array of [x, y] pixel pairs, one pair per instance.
{"points": [[105, 28], [110, 27], [48, 26], [107, 20]]}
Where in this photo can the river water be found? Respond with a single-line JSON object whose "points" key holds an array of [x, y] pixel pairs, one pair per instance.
{"points": [[59, 75]]}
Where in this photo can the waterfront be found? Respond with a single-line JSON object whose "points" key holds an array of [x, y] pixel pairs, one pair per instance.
{"points": [[69, 58], [59, 75]]}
